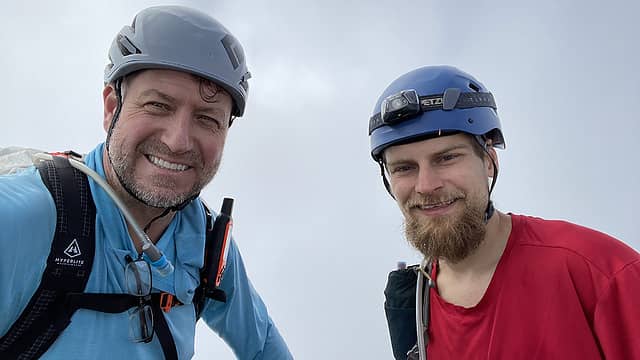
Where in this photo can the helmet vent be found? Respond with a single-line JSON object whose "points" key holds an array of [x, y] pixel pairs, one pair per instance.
{"points": [[474, 87], [126, 47], [234, 51]]}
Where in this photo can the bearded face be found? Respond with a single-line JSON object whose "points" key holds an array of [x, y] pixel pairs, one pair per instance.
{"points": [[441, 187], [168, 141], [451, 236]]}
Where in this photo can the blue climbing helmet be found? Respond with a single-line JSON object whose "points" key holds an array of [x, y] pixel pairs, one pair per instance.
{"points": [[432, 101], [183, 39]]}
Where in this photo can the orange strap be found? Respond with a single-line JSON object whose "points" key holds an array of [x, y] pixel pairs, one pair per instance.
{"points": [[167, 301]]}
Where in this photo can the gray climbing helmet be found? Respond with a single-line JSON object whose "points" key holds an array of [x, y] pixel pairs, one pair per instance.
{"points": [[183, 39]]}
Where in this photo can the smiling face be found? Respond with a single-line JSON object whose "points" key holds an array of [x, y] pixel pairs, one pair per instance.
{"points": [[441, 187], [168, 140]]}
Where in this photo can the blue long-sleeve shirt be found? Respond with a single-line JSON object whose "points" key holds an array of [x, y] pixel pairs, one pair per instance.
{"points": [[28, 220]]}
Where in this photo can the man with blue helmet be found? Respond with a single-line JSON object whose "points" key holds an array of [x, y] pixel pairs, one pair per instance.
{"points": [[492, 285], [176, 80]]}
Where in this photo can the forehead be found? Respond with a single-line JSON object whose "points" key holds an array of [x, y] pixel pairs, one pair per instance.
{"points": [[176, 83], [427, 147]]}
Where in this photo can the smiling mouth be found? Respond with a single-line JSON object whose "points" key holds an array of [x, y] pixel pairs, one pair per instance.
{"points": [[435, 205], [163, 164]]}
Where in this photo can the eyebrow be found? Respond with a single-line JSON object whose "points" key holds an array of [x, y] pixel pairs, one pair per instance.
{"points": [[150, 92], [451, 148], [439, 153], [171, 99]]}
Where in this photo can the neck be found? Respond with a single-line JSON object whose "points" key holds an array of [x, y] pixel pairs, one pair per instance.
{"points": [[141, 212], [485, 258]]}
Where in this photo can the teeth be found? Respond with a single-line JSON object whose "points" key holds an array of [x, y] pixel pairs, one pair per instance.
{"points": [[167, 165], [446, 203]]}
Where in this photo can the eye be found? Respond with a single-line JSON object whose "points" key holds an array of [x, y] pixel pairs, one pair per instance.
{"points": [[156, 106], [400, 169], [448, 157], [209, 122]]}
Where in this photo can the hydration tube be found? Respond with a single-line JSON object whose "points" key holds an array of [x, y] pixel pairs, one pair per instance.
{"points": [[158, 260], [419, 325], [422, 307]]}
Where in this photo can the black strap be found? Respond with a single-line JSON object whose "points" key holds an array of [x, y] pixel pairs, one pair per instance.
{"points": [[199, 297], [117, 303], [68, 265], [207, 289], [161, 329], [438, 102], [108, 303], [400, 310]]}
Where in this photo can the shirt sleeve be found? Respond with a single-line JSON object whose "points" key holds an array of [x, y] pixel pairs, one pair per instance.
{"points": [[617, 315], [243, 321], [27, 220]]}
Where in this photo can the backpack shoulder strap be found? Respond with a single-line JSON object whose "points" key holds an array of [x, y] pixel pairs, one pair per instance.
{"points": [[68, 265], [400, 309], [215, 253]]}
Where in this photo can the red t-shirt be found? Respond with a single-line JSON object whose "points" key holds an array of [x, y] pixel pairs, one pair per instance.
{"points": [[560, 291]]}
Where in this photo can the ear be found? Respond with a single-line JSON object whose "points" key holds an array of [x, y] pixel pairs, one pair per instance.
{"points": [[489, 164], [110, 103]]}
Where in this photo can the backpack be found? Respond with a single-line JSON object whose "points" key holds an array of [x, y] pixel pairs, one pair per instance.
{"points": [[401, 310], [61, 289]]}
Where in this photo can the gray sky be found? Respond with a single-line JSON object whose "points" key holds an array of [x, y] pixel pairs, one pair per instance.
{"points": [[316, 228]]}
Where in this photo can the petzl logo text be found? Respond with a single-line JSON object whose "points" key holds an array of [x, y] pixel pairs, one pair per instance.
{"points": [[73, 249]]}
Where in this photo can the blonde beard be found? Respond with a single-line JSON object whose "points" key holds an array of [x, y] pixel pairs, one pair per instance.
{"points": [[449, 237]]}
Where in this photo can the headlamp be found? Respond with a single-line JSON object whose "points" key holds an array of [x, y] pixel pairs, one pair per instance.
{"points": [[408, 103], [400, 106]]}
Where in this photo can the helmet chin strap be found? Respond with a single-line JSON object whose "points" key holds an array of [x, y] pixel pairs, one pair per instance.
{"points": [[116, 116], [117, 86], [490, 210], [384, 178], [488, 213]]}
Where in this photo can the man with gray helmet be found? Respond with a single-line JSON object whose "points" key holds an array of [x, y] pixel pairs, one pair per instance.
{"points": [[177, 79], [492, 285]]}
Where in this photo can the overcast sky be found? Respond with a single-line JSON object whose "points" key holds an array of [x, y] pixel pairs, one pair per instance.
{"points": [[316, 228]]}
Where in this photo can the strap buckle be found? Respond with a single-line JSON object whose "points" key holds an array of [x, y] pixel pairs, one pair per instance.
{"points": [[67, 154], [167, 301]]}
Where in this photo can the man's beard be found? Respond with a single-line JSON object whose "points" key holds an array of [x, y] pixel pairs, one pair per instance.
{"points": [[451, 237], [146, 190]]}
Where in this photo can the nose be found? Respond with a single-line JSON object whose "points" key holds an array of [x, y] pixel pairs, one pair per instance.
{"points": [[177, 134], [428, 180]]}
